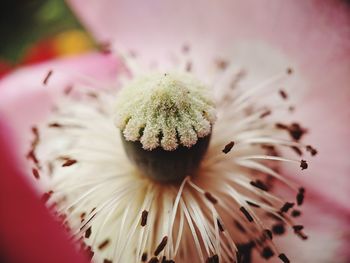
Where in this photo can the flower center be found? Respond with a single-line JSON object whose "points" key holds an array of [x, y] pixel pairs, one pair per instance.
{"points": [[166, 122]]}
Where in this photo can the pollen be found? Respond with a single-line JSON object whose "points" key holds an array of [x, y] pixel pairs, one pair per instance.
{"points": [[165, 110]]}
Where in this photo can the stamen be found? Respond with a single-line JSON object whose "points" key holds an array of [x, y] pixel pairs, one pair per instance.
{"points": [[295, 130], [161, 246], [303, 165], [144, 218], [265, 114], [36, 173], [69, 162], [47, 77], [312, 150], [267, 253], [259, 184], [210, 197], [300, 196], [144, 257], [213, 259], [153, 260], [278, 229], [103, 244], [246, 214], [268, 233], [296, 213], [283, 94], [285, 208], [228, 147], [88, 232], [284, 258]]}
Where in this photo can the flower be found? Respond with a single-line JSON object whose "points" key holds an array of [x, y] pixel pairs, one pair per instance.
{"points": [[218, 213], [314, 186]]}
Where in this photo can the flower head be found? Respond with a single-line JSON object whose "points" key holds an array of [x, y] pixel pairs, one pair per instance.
{"points": [[174, 200], [238, 199]]}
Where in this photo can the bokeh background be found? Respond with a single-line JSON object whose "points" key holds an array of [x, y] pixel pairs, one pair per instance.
{"points": [[33, 31]]}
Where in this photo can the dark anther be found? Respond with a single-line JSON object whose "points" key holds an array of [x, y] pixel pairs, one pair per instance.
{"points": [[253, 204], [270, 149], [268, 233], [144, 256], [107, 261], [259, 184], [89, 252], [246, 214], [265, 114], [46, 196], [239, 226], [55, 125], [153, 260], [161, 246], [228, 147], [267, 253], [213, 259], [296, 213], [278, 229], [311, 150], [244, 254], [300, 196], [281, 126], [283, 94], [36, 173], [144, 217], [32, 156], [289, 71], [301, 235], [69, 162], [303, 164], [298, 228], [82, 215], [164, 260], [48, 75], [103, 244], [221, 227], [36, 138], [211, 198], [296, 131], [286, 207], [297, 150], [88, 232], [284, 258]]}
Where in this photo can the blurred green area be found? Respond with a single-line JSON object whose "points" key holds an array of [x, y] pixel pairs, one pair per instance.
{"points": [[24, 22]]}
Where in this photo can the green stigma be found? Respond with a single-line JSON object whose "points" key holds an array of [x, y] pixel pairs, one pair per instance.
{"points": [[166, 122]]}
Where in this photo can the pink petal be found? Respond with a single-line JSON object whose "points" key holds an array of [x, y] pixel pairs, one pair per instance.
{"points": [[327, 228], [25, 99], [28, 232], [314, 35]]}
